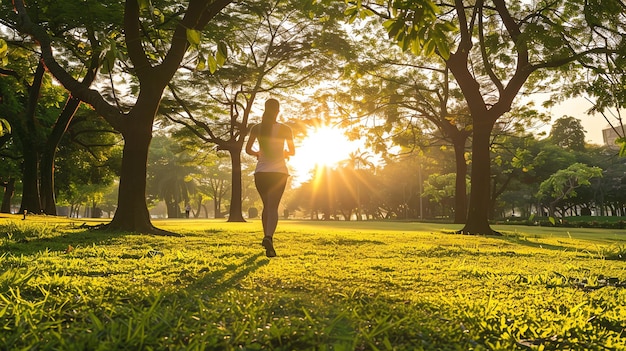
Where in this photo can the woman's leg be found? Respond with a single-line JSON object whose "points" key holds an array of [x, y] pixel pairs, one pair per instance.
{"points": [[263, 184], [271, 187]]}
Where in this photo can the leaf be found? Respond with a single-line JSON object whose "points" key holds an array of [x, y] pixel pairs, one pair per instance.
{"points": [[552, 220], [222, 53], [4, 48], [443, 48], [159, 16], [448, 26], [429, 47], [201, 64], [388, 23], [96, 321], [5, 127], [193, 37], [622, 143], [212, 64], [351, 11], [109, 61], [143, 4]]}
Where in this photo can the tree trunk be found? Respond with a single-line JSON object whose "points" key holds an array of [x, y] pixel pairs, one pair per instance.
{"points": [[132, 211], [217, 208], [9, 190], [30, 190], [478, 212], [173, 211], [235, 211], [28, 135], [460, 195], [46, 164]]}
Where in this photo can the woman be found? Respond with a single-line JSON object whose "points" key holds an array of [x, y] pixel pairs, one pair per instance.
{"points": [[270, 176]]}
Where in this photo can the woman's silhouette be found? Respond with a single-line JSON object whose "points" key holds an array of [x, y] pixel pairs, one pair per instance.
{"points": [[270, 176]]}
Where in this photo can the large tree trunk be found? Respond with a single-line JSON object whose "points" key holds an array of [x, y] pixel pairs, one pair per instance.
{"points": [[46, 164], [478, 212], [30, 177], [235, 212], [30, 143], [132, 211]]}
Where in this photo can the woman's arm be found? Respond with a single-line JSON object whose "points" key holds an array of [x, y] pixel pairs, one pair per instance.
{"points": [[291, 149], [254, 133]]}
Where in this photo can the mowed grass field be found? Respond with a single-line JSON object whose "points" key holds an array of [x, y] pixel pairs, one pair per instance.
{"points": [[333, 286]]}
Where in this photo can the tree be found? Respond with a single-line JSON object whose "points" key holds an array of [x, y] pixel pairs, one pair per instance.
{"points": [[217, 187], [440, 190], [605, 80], [399, 192], [9, 172], [278, 46], [502, 47], [87, 162], [568, 133], [170, 170], [44, 138], [419, 105], [360, 167], [5, 127], [562, 185], [511, 159], [152, 68]]}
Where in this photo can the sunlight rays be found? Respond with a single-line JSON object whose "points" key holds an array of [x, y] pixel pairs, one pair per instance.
{"points": [[324, 146]]}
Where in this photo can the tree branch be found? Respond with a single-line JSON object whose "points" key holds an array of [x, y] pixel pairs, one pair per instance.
{"points": [[77, 89], [483, 51]]}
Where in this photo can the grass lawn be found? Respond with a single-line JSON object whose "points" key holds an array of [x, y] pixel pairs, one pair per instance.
{"points": [[334, 286]]}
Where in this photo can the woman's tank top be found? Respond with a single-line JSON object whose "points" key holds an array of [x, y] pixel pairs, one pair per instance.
{"points": [[273, 160]]}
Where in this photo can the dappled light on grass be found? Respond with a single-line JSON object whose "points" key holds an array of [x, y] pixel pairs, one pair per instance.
{"points": [[339, 285]]}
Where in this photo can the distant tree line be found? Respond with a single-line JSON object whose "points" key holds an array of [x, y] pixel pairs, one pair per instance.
{"points": [[555, 176]]}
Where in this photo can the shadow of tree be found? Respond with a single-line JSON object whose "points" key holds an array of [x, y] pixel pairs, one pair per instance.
{"points": [[26, 243], [518, 240]]}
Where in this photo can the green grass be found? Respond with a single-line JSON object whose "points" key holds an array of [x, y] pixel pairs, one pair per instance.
{"points": [[334, 286]]}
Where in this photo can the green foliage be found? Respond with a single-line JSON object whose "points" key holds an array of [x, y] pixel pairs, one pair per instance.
{"points": [[193, 37], [5, 127], [347, 286], [552, 220], [622, 146], [413, 25], [568, 133], [563, 183], [4, 52]]}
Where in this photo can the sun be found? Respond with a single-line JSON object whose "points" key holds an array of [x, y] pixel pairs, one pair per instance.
{"points": [[323, 146]]}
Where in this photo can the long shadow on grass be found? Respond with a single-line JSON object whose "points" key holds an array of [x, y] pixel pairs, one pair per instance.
{"points": [[229, 276], [515, 239], [28, 244]]}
